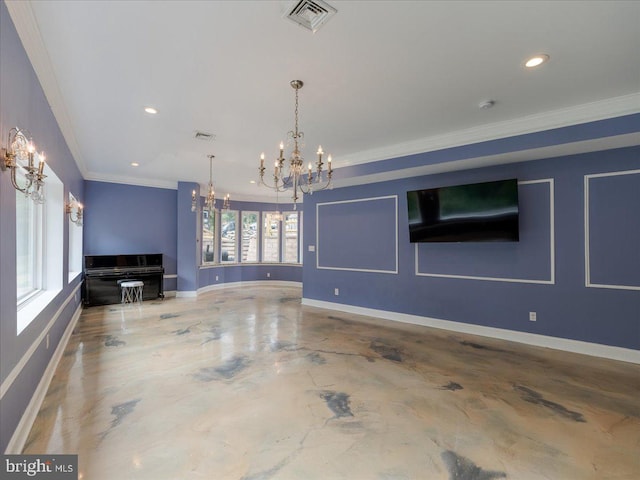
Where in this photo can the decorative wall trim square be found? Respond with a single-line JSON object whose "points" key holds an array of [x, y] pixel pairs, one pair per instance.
{"points": [[552, 269], [587, 253], [351, 269]]}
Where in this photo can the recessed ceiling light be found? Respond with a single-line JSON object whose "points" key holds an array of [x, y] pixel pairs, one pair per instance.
{"points": [[536, 60], [252, 181], [135, 164], [150, 110], [486, 104]]}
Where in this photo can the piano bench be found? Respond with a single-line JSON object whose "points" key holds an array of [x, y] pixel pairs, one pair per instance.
{"points": [[131, 291]]}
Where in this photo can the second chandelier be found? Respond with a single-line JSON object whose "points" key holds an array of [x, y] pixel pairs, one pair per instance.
{"points": [[294, 178]]}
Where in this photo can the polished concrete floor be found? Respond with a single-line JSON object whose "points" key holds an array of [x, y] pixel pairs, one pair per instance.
{"points": [[244, 383]]}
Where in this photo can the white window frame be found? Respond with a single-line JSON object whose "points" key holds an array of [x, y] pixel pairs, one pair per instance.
{"points": [[265, 238], [242, 235], [35, 244], [75, 244], [284, 237], [50, 264], [235, 238], [214, 244]]}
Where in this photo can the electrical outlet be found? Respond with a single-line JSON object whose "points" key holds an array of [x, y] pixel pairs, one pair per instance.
{"points": [[336, 291], [533, 316], [268, 275], [216, 278], [312, 248]]}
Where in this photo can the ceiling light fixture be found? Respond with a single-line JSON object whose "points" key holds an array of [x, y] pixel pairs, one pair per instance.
{"points": [[536, 60], [135, 164], [294, 178], [150, 110], [486, 104], [209, 202]]}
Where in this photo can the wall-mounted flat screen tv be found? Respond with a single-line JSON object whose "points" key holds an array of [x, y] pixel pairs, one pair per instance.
{"points": [[478, 212]]}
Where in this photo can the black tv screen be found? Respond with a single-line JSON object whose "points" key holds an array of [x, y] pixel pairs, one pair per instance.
{"points": [[478, 212]]}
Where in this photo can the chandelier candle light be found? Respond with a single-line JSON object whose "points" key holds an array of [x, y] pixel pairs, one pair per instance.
{"points": [[20, 147], [293, 179]]}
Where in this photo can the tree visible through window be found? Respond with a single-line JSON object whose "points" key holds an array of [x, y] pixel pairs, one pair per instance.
{"points": [[228, 237], [249, 242], [290, 244], [271, 237]]}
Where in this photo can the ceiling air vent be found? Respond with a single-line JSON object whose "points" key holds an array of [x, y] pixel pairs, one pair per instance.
{"points": [[204, 136], [311, 14]]}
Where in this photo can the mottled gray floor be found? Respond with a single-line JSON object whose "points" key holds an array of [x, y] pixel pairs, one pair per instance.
{"points": [[244, 383]]}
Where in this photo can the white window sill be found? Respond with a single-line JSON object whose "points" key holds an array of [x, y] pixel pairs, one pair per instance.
{"points": [[31, 309], [73, 275]]}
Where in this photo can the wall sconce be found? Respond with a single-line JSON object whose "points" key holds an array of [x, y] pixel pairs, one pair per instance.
{"points": [[227, 202], [77, 217], [194, 203], [20, 148]]}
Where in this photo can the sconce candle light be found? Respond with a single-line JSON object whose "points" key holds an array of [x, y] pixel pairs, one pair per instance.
{"points": [[69, 210], [21, 152]]}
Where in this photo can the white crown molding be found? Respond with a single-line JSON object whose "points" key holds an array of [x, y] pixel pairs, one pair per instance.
{"points": [[29, 32], [138, 182], [156, 183], [565, 117], [565, 149]]}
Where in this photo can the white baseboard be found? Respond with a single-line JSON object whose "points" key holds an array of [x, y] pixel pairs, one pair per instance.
{"points": [[575, 346], [21, 433], [187, 294], [252, 283]]}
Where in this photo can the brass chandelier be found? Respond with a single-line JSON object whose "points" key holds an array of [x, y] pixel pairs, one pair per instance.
{"points": [[294, 178], [210, 199], [20, 152]]}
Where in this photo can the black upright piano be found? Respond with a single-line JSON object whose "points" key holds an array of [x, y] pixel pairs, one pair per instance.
{"points": [[102, 272]]}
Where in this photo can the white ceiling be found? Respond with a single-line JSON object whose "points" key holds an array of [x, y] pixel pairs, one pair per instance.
{"points": [[382, 78]]}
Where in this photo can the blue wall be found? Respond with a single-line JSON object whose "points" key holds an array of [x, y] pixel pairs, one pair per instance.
{"points": [[132, 219], [544, 272], [127, 219], [23, 104]]}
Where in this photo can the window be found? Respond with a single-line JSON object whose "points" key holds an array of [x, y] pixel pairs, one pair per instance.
{"points": [[75, 245], [40, 247], [249, 241], [271, 237], [28, 246], [208, 236], [251, 236], [228, 237], [290, 244]]}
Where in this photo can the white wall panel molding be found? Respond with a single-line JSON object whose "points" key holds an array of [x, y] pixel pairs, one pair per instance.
{"points": [[587, 252], [551, 280]]}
